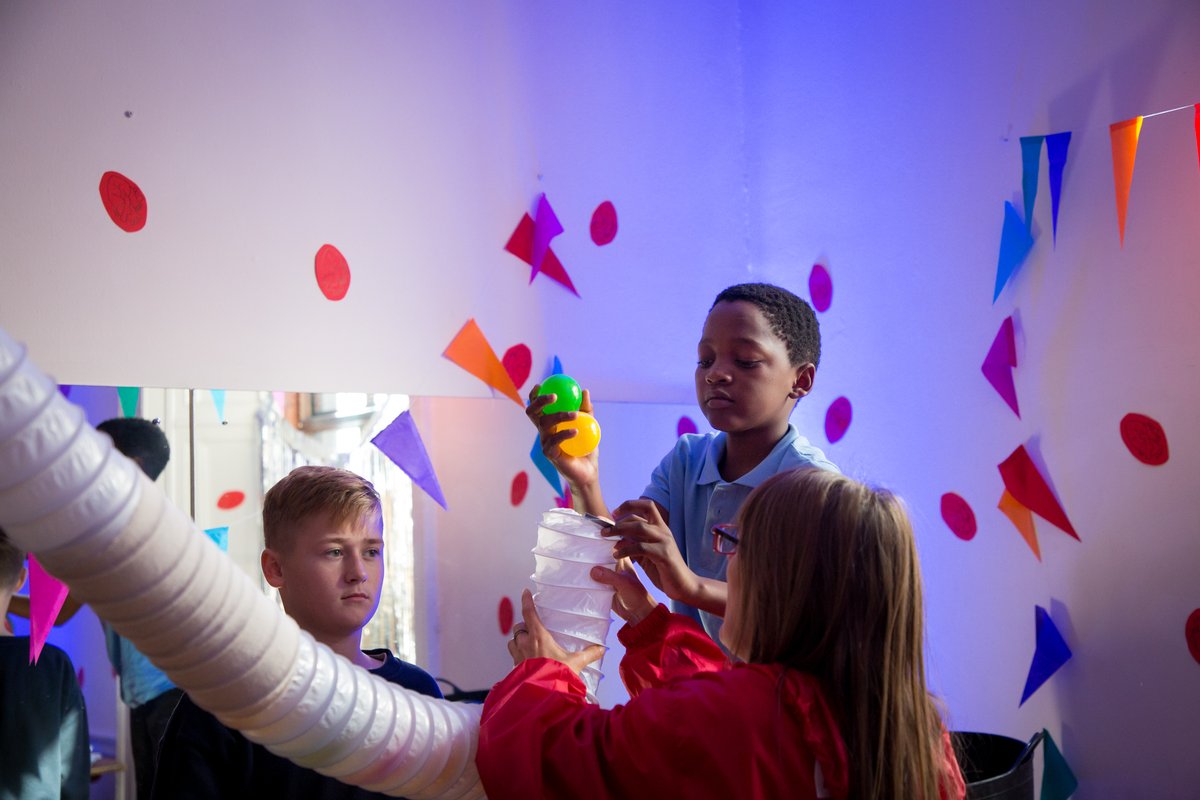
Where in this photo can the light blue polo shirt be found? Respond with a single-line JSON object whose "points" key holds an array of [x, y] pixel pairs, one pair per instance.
{"points": [[141, 681], [688, 484]]}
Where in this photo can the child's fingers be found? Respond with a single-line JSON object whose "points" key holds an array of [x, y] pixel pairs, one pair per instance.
{"points": [[586, 404], [640, 507]]}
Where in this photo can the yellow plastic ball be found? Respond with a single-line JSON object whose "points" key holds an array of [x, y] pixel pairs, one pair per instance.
{"points": [[586, 438]]}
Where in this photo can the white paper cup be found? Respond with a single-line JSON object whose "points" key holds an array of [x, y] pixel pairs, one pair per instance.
{"points": [[593, 629], [574, 599]]}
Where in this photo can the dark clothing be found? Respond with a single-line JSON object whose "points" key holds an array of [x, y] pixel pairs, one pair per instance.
{"points": [[201, 758], [44, 748], [147, 726]]}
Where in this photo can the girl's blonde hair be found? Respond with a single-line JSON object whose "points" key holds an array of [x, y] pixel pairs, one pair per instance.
{"points": [[830, 585]]}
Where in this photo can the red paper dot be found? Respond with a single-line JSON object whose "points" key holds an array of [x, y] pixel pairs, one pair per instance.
{"points": [[837, 419], [604, 223], [820, 287], [124, 201], [520, 485], [505, 614], [1192, 631], [686, 425], [958, 516], [333, 272], [518, 361], [231, 499], [1145, 438]]}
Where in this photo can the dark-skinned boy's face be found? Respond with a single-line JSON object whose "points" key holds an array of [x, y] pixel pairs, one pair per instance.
{"points": [[745, 381]]}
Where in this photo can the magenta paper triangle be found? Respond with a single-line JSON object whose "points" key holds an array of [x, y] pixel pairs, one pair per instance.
{"points": [[401, 442], [545, 227], [998, 366], [46, 597]]}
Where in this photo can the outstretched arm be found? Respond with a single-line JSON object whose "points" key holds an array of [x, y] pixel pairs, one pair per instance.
{"points": [[582, 473]]}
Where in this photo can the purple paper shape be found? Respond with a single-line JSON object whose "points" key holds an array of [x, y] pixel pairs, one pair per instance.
{"points": [[220, 537], [1058, 780], [837, 419], [544, 466], [65, 390], [401, 442], [998, 366], [1015, 244], [1049, 654], [1056, 155], [820, 287], [545, 227], [1031, 162], [685, 425], [46, 597]]}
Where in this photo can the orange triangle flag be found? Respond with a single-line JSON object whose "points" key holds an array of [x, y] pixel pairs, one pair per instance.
{"points": [[1022, 518], [1124, 150], [471, 351]]}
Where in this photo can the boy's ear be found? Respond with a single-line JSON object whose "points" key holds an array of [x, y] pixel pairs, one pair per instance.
{"points": [[803, 383], [272, 569]]}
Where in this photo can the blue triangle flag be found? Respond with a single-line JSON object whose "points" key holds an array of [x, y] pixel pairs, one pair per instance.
{"points": [[1058, 781], [220, 537], [1031, 162], [1015, 244], [557, 370], [401, 442], [218, 396], [544, 466], [1056, 155], [1049, 654]]}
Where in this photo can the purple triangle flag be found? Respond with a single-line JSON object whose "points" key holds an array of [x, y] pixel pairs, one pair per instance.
{"points": [[1015, 244], [998, 366], [1056, 155], [1031, 162], [401, 442], [1058, 781], [1049, 654]]}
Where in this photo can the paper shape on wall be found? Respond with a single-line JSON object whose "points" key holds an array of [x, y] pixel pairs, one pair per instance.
{"points": [[520, 485], [837, 419], [820, 287], [230, 500], [124, 202], [333, 272], [1198, 130], [401, 442], [545, 227], [520, 244], [1058, 780], [1031, 163], [557, 368], [1026, 484], [544, 466], [685, 425], [1049, 654], [504, 615], [518, 362], [1191, 633], [1022, 519], [1056, 157], [958, 516], [604, 223], [1145, 438], [65, 390], [128, 397], [999, 363], [46, 597], [218, 398], [1124, 136], [220, 537], [471, 351], [1015, 244]]}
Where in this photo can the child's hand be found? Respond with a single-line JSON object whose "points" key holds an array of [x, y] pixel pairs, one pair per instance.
{"points": [[530, 639], [579, 471], [632, 602], [647, 540]]}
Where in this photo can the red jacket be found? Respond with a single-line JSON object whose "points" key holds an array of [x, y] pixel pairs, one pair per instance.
{"points": [[695, 727]]}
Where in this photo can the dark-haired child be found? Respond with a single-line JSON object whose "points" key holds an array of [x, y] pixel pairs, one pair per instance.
{"points": [[757, 356]]}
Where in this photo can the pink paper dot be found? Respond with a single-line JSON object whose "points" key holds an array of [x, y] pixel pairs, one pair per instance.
{"points": [[505, 615], [520, 485], [604, 223], [231, 499], [333, 272], [837, 419], [1192, 632], [518, 362], [958, 516], [686, 425], [820, 287], [1145, 438], [124, 202]]}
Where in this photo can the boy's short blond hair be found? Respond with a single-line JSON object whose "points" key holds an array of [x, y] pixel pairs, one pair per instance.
{"points": [[12, 560], [312, 491]]}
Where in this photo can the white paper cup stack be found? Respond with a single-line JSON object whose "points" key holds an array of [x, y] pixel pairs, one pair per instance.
{"points": [[574, 608]]}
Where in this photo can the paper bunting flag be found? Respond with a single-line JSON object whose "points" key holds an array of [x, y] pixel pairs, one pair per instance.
{"points": [[1058, 781], [46, 597], [520, 244], [999, 363], [220, 537], [1049, 654], [1198, 130], [1124, 151], [1056, 156], [401, 442], [544, 466], [1026, 484], [1031, 163], [1021, 518], [1015, 244], [218, 398], [128, 395], [545, 227], [471, 351]]}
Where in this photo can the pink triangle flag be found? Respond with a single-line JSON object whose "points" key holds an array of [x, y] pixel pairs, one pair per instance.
{"points": [[998, 366], [46, 597]]}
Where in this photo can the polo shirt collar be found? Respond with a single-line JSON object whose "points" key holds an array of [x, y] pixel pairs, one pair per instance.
{"points": [[710, 470]]}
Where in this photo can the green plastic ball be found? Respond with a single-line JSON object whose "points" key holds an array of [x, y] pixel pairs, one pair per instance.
{"points": [[568, 395]]}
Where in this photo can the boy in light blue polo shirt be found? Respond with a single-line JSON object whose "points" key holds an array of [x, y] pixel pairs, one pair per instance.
{"points": [[757, 356]]}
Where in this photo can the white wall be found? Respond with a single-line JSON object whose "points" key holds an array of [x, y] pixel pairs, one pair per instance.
{"points": [[737, 140]]}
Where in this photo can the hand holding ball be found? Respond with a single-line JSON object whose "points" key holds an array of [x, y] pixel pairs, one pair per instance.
{"points": [[568, 397]]}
